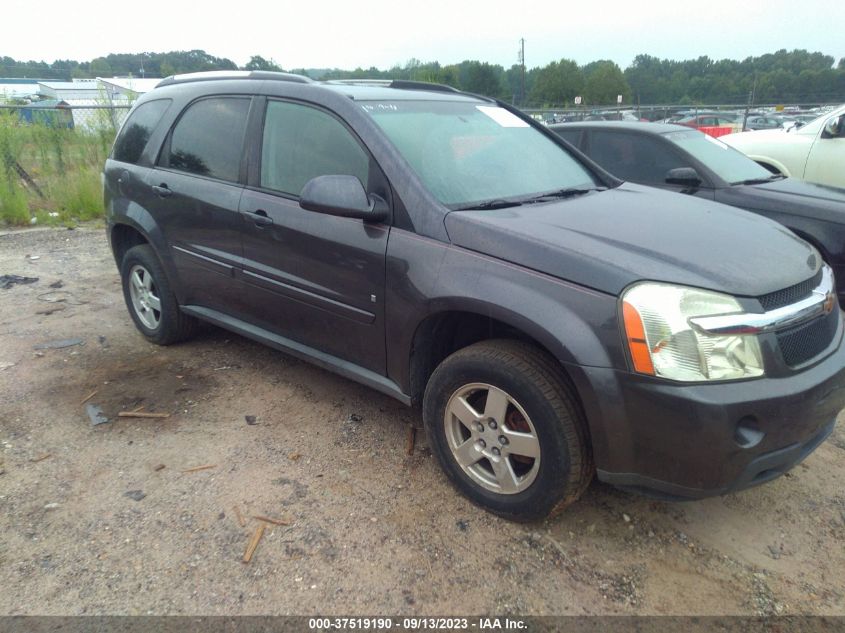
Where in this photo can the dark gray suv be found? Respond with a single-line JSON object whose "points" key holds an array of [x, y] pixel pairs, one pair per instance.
{"points": [[448, 251]]}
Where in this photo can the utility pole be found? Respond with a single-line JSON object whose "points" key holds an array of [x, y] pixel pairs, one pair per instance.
{"points": [[522, 63]]}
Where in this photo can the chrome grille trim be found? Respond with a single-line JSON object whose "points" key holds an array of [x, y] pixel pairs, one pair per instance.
{"points": [[821, 301]]}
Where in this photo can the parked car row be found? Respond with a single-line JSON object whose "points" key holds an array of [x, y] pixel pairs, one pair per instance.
{"points": [[553, 322], [690, 162]]}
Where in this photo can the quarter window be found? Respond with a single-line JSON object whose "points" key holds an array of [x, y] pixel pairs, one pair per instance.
{"points": [[301, 142], [208, 139], [136, 132]]}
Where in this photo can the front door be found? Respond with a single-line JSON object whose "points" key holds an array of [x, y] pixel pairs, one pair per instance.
{"points": [[313, 278]]}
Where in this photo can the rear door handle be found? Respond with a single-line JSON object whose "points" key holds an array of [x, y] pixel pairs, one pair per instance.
{"points": [[162, 190], [259, 217]]}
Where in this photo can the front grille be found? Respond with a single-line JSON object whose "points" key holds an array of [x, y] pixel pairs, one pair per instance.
{"points": [[803, 342], [785, 297]]}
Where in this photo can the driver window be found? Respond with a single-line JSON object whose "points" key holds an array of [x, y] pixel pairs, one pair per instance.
{"points": [[301, 142]]}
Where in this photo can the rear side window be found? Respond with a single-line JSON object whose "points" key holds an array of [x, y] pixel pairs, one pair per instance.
{"points": [[208, 138], [136, 131], [301, 142], [633, 157]]}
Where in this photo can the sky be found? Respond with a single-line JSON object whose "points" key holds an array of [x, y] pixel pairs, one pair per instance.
{"points": [[384, 33]]}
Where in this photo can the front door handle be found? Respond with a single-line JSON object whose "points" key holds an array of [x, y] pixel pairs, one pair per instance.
{"points": [[162, 190], [259, 217]]}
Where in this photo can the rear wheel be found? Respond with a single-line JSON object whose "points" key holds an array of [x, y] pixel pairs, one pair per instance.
{"points": [[152, 305], [507, 429]]}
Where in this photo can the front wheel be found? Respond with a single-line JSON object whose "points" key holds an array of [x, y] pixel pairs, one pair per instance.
{"points": [[151, 303], [507, 429]]}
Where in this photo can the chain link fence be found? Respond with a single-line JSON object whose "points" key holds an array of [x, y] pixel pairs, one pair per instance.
{"points": [[51, 156], [85, 118]]}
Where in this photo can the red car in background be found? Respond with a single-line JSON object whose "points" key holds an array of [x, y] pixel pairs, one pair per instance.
{"points": [[712, 123]]}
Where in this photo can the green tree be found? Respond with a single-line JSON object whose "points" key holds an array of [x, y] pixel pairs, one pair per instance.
{"points": [[480, 78], [256, 62], [603, 82], [557, 84]]}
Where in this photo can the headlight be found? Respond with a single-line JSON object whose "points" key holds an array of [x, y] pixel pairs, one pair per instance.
{"points": [[663, 343]]}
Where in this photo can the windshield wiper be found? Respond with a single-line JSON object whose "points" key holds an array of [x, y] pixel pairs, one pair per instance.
{"points": [[563, 193], [759, 181], [496, 203]]}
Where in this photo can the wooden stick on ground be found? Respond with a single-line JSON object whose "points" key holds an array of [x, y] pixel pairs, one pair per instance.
{"points": [[239, 516], [410, 440], [273, 521], [253, 543], [198, 468], [89, 396], [141, 414], [41, 458]]}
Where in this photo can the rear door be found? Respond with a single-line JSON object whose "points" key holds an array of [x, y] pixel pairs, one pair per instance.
{"points": [[313, 278], [196, 188]]}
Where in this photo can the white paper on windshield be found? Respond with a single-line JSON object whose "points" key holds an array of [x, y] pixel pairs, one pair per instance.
{"points": [[502, 116]]}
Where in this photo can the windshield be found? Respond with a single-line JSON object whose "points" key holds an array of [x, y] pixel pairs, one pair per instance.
{"points": [[728, 163], [466, 152]]}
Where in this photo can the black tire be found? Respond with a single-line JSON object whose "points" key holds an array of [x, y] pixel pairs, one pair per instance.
{"points": [[167, 325], [535, 382]]}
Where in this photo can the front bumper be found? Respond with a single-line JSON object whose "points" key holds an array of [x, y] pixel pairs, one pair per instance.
{"points": [[698, 440]]}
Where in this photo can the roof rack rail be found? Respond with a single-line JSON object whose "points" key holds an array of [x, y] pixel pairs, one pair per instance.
{"points": [[233, 74], [360, 82], [407, 84], [399, 84]]}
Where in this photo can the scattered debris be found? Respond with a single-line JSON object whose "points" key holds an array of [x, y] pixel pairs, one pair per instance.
{"points": [[410, 439], [103, 341], [239, 516], [60, 344], [96, 415], [463, 525], [199, 468], [294, 457], [7, 281], [51, 506], [6, 366], [41, 458], [774, 552], [57, 284], [273, 521], [251, 420], [354, 417], [32, 258], [626, 518], [159, 467], [135, 495], [141, 414], [253, 543], [60, 296], [89, 396], [48, 311]]}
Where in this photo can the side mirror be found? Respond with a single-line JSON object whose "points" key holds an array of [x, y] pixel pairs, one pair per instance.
{"points": [[343, 196], [835, 127], [684, 176]]}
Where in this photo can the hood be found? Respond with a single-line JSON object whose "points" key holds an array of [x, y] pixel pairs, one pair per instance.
{"points": [[608, 240], [790, 196]]}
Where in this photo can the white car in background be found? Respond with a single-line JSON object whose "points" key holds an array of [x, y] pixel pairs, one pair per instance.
{"points": [[814, 152]]}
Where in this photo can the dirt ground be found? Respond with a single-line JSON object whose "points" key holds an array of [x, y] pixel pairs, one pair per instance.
{"points": [[104, 520]]}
